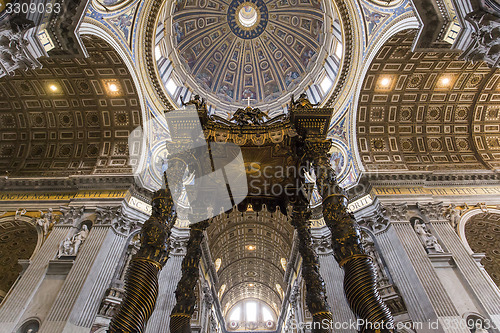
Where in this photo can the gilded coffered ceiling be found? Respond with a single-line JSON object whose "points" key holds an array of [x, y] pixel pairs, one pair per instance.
{"points": [[482, 232], [18, 240], [250, 246], [428, 111], [72, 116]]}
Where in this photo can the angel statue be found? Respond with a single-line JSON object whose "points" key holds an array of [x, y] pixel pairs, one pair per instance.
{"points": [[45, 221], [302, 102], [249, 116], [453, 215]]}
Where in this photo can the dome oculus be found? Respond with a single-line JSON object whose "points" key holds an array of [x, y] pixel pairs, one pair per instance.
{"points": [[247, 15], [247, 19]]}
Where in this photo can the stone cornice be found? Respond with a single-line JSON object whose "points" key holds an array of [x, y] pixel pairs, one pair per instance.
{"points": [[421, 179]]}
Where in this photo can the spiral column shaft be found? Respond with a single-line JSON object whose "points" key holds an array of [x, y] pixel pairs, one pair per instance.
{"points": [[359, 274], [315, 285], [141, 281], [180, 318]]}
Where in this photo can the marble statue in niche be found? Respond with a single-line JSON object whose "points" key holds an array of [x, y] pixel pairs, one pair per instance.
{"points": [[71, 245], [430, 241]]}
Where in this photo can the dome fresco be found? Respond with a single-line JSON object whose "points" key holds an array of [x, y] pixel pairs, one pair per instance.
{"points": [[250, 51]]}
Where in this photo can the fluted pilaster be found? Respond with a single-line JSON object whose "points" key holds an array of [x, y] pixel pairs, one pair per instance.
{"points": [[14, 306]]}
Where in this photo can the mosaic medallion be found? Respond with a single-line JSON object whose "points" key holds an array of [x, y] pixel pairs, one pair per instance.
{"points": [[247, 19]]}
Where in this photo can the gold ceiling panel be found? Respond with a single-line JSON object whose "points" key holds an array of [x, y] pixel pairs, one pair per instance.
{"points": [[427, 111], [72, 116]]}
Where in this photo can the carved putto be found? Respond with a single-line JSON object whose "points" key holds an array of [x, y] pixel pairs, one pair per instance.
{"points": [[453, 215]]}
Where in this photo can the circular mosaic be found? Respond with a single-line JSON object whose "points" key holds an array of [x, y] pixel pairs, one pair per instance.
{"points": [[249, 51], [247, 19]]}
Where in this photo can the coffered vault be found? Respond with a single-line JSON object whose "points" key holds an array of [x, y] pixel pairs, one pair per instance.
{"points": [[251, 245], [427, 111], [71, 117]]}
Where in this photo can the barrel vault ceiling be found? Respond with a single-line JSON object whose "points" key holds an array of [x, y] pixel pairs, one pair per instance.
{"points": [[427, 111], [70, 117], [250, 246]]}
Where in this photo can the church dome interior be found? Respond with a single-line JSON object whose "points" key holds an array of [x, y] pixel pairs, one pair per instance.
{"points": [[249, 52]]}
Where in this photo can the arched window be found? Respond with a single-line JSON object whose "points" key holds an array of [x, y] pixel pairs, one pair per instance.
{"points": [[251, 314]]}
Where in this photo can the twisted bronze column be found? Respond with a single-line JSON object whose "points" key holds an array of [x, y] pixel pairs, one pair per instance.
{"points": [[180, 318], [315, 286], [359, 275], [141, 282]]}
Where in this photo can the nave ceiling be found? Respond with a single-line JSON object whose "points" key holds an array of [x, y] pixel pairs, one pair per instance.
{"points": [[251, 246]]}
